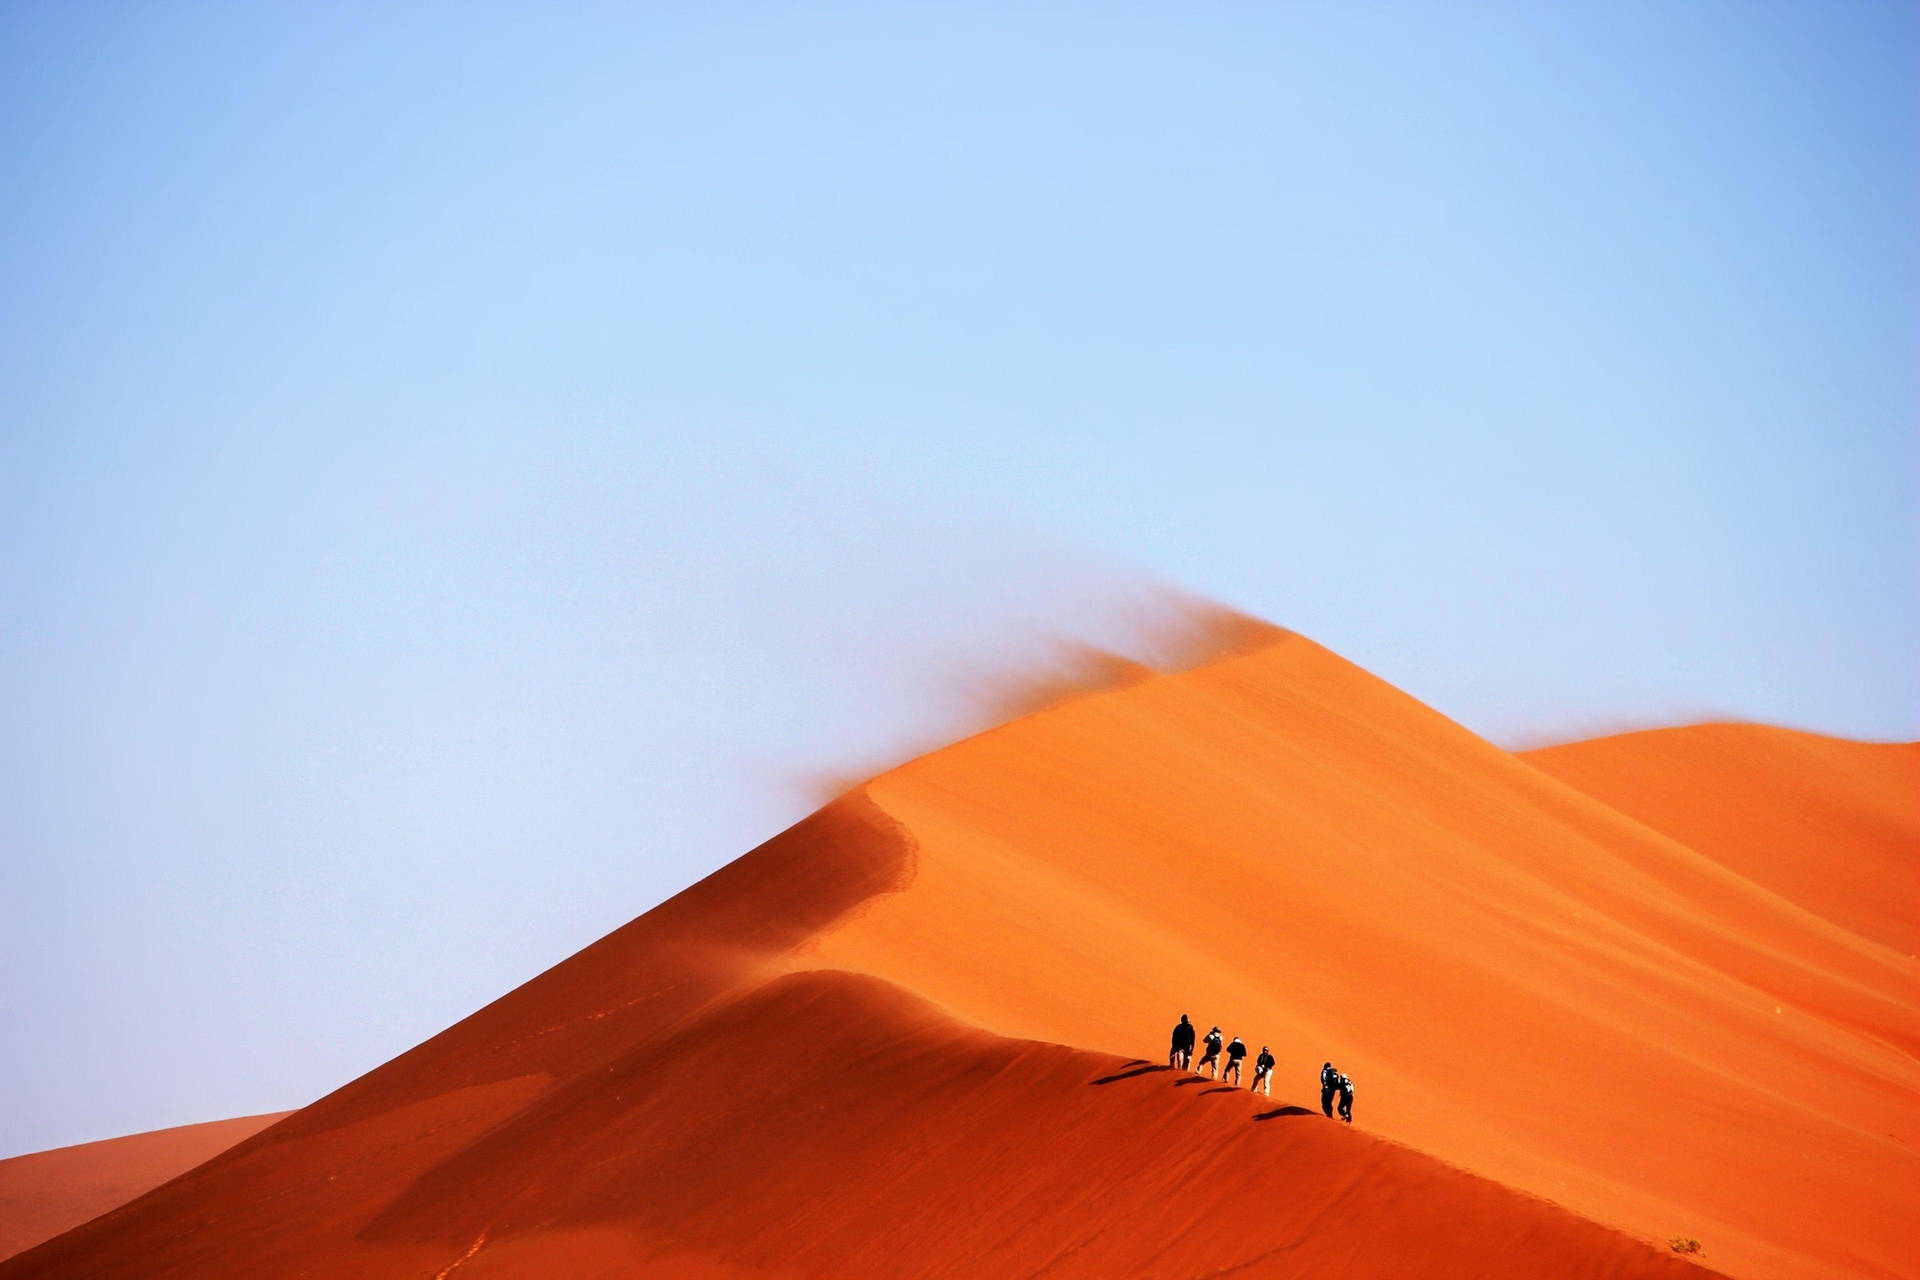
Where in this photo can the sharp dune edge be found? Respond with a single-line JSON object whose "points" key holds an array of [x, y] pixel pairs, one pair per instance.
{"points": [[916, 1034], [1825, 823], [48, 1192]]}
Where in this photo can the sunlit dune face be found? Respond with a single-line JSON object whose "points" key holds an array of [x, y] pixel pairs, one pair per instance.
{"points": [[923, 1032]]}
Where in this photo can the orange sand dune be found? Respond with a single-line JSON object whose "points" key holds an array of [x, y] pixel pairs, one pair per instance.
{"points": [[1524, 981], [689, 1119], [48, 1192], [844, 1054], [1829, 824]]}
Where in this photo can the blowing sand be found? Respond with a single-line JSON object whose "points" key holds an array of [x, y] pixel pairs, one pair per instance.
{"points": [[916, 1034]]}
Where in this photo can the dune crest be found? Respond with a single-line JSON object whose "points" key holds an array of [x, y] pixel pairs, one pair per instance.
{"points": [[48, 1192], [913, 1035], [1828, 824]]}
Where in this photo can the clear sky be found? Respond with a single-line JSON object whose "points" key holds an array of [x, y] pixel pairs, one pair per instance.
{"points": [[467, 472]]}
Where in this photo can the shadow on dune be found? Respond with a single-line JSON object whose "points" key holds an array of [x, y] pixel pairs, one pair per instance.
{"points": [[1277, 1112], [1192, 1080], [1128, 1075]]}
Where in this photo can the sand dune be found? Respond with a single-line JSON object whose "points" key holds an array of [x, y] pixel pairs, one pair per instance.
{"points": [[1526, 982], [902, 1038], [44, 1194], [816, 1124], [1828, 824]]}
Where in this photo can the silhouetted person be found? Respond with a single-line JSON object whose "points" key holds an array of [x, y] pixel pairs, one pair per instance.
{"points": [[1235, 1052], [1210, 1060], [1182, 1054], [1346, 1099], [1329, 1087], [1263, 1071]]}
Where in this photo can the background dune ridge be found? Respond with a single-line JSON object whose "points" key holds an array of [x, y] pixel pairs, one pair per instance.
{"points": [[48, 1192], [906, 1036], [1825, 822]]}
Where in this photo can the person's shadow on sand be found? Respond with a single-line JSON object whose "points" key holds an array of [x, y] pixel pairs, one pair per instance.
{"points": [[1128, 1075], [1139, 1067]]}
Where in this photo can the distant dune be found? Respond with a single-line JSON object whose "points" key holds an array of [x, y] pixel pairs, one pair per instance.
{"points": [[1828, 824], [48, 1192], [915, 1035]]}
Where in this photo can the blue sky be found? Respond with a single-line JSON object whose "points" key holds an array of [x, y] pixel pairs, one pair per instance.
{"points": [[466, 472]]}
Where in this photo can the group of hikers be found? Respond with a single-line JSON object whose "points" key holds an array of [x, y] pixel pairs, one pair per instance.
{"points": [[1333, 1085]]}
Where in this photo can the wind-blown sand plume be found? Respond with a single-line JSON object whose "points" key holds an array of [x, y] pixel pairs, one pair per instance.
{"points": [[1525, 982], [48, 1192], [895, 1040]]}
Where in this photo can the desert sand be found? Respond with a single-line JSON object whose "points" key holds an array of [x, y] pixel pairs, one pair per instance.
{"points": [[48, 1192], [918, 1033], [1825, 823]]}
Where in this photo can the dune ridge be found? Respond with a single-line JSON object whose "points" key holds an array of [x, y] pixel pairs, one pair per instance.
{"points": [[1772, 805], [48, 1192], [1296, 849], [688, 1097], [912, 1036]]}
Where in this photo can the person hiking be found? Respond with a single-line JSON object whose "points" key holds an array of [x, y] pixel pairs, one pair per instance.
{"points": [[1211, 1058], [1329, 1086], [1182, 1054], [1263, 1072], [1346, 1099], [1235, 1052]]}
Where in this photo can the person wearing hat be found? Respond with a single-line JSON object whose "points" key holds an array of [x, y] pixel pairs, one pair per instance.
{"points": [[1235, 1052], [1210, 1060]]}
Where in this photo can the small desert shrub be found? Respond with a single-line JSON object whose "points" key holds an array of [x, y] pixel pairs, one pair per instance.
{"points": [[1684, 1244]]}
